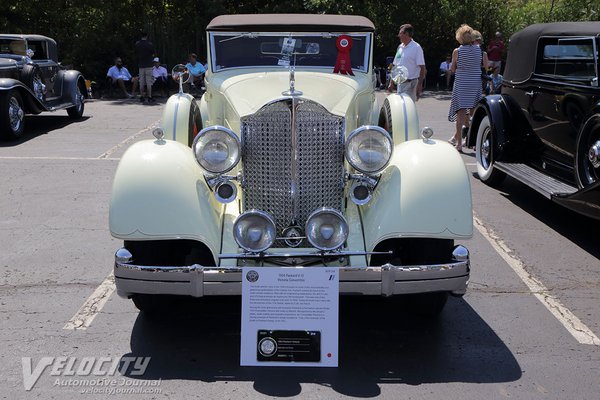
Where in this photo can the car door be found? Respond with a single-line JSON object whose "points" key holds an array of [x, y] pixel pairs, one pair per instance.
{"points": [[559, 97]]}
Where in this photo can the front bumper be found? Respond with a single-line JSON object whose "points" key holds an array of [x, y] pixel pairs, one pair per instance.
{"points": [[386, 280]]}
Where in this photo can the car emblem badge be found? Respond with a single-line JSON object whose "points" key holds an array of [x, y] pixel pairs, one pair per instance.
{"points": [[290, 234]]}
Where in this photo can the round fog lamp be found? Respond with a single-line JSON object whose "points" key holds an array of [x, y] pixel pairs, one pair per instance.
{"points": [[360, 193], [254, 231], [369, 149], [326, 229], [217, 149]]}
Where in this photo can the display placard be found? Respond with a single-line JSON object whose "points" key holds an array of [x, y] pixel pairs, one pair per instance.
{"points": [[290, 316]]}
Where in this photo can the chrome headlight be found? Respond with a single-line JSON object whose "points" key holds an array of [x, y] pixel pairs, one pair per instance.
{"points": [[369, 149], [254, 231], [326, 229], [217, 149]]}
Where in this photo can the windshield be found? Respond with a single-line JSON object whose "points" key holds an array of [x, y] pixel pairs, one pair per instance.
{"points": [[235, 50]]}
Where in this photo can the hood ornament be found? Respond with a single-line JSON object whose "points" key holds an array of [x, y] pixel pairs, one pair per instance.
{"points": [[292, 90]]}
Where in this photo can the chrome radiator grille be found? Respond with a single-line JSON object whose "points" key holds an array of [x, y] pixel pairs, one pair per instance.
{"points": [[293, 160]]}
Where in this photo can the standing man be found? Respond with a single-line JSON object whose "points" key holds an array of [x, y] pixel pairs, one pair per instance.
{"points": [[410, 55], [144, 51], [494, 51]]}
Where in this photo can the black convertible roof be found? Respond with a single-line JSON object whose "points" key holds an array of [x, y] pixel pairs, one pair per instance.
{"points": [[290, 23], [522, 48]]}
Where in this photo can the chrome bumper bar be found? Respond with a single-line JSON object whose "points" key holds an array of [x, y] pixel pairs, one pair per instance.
{"points": [[385, 280]]}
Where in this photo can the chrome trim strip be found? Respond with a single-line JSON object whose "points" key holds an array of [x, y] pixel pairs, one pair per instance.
{"points": [[405, 120], [316, 254], [294, 192]]}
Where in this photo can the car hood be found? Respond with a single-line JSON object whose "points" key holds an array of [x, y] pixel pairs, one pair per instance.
{"points": [[7, 62], [248, 92]]}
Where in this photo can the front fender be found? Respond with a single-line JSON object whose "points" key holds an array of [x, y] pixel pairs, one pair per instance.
{"points": [[402, 113], [424, 192], [181, 119], [31, 103], [159, 193], [511, 129]]}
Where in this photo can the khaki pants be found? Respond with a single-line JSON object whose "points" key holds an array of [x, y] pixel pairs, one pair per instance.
{"points": [[409, 88], [146, 81]]}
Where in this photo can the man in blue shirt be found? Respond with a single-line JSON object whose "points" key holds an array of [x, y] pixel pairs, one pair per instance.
{"points": [[197, 70], [118, 75]]}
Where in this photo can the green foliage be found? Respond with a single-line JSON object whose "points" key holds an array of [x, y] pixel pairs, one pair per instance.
{"points": [[91, 33]]}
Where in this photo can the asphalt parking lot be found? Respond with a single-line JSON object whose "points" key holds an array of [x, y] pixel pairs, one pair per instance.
{"points": [[527, 329]]}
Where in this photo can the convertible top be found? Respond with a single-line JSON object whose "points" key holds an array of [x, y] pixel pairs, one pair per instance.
{"points": [[522, 48], [290, 23]]}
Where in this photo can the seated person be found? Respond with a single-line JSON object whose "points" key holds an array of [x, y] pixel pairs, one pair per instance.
{"points": [[160, 77], [495, 83], [197, 71], [445, 73], [118, 75]]}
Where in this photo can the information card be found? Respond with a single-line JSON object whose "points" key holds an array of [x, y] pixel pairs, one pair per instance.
{"points": [[290, 316]]}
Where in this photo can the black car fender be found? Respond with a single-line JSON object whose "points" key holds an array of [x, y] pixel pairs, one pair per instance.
{"points": [[507, 121], [70, 80], [31, 103]]}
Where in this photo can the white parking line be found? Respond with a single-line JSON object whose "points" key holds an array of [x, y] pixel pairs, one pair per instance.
{"points": [[93, 305], [576, 328], [128, 140]]}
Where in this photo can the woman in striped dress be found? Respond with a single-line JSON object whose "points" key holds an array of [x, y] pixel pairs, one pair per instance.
{"points": [[466, 66]]}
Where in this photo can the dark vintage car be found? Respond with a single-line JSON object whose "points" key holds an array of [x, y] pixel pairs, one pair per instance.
{"points": [[32, 81], [544, 128]]}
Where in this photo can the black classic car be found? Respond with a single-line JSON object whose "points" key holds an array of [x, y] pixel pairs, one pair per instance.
{"points": [[544, 127], [32, 81]]}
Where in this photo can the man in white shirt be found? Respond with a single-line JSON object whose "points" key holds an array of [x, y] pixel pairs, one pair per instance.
{"points": [[160, 77], [445, 72], [410, 55]]}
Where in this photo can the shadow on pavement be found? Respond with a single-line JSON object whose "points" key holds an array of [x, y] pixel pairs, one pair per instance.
{"points": [[378, 344], [38, 125], [562, 220]]}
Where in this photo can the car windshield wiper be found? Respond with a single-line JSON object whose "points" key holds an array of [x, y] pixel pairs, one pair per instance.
{"points": [[243, 35]]}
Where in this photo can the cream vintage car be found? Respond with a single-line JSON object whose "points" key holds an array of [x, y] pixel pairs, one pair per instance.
{"points": [[289, 160]]}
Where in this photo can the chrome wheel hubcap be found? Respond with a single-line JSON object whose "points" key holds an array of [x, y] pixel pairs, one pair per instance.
{"points": [[594, 154], [79, 99], [38, 88], [15, 114], [485, 150]]}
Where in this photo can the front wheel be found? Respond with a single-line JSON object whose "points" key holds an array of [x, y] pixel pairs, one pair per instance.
{"points": [[12, 115], [484, 154], [76, 112], [588, 153]]}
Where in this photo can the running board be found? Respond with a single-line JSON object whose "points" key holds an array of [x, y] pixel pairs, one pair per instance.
{"points": [[58, 106], [540, 182]]}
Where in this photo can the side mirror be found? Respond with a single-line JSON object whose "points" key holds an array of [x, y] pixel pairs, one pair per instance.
{"points": [[181, 74], [594, 82]]}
